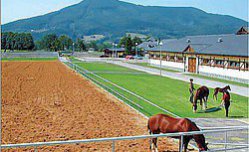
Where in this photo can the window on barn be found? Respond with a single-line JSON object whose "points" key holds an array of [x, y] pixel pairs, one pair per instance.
{"points": [[234, 65], [206, 62], [172, 58], [246, 66], [219, 63], [179, 59], [168, 58]]}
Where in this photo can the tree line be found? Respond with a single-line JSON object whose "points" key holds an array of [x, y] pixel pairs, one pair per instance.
{"points": [[52, 42], [17, 41]]}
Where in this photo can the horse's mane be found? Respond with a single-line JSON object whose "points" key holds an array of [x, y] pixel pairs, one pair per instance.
{"points": [[194, 125]]}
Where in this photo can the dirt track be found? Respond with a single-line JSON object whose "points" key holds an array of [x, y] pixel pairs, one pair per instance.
{"points": [[45, 101]]}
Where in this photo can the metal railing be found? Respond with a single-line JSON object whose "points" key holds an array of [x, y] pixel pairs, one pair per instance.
{"points": [[115, 139]]}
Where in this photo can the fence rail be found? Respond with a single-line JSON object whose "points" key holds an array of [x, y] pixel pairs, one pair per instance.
{"points": [[30, 55], [114, 139]]}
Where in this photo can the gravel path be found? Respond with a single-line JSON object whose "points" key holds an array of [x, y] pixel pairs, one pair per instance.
{"points": [[240, 136]]}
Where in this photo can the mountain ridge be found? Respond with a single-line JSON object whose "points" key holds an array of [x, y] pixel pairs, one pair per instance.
{"points": [[115, 18]]}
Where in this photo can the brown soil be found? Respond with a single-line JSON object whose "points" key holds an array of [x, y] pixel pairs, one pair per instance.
{"points": [[46, 101]]}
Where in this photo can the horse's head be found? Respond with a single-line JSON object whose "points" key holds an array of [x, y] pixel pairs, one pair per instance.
{"points": [[204, 147], [200, 140], [228, 88]]}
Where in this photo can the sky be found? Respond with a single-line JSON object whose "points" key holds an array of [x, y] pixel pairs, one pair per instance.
{"points": [[12, 10]]}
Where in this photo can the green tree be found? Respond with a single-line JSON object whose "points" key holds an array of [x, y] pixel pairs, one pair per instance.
{"points": [[92, 45], [80, 45], [137, 41], [66, 42], [29, 41], [4, 41], [50, 42], [122, 41], [128, 45], [104, 46], [17, 41]]}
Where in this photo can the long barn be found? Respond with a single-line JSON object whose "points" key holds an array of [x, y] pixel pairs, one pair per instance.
{"points": [[214, 55]]}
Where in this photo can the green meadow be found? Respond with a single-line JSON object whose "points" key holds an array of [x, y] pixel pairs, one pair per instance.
{"points": [[167, 93]]}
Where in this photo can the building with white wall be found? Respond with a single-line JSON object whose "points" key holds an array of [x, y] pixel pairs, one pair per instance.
{"points": [[215, 55]]}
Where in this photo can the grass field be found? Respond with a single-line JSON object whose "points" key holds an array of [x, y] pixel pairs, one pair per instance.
{"points": [[196, 75], [28, 59], [168, 93]]}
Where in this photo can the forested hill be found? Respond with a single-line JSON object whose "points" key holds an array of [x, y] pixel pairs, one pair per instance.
{"points": [[114, 18]]}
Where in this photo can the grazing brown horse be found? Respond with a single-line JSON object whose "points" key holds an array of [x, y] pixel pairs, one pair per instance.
{"points": [[226, 100], [217, 90], [201, 94], [162, 123]]}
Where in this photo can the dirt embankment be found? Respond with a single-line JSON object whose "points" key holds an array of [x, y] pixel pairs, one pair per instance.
{"points": [[45, 101]]}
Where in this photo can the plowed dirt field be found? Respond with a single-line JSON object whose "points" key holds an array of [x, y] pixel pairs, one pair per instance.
{"points": [[46, 101]]}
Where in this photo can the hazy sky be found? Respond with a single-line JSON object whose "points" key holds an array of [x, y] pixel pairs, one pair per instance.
{"points": [[12, 10]]}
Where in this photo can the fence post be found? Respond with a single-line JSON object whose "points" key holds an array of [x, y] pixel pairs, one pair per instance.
{"points": [[113, 146], [181, 146], [36, 150], [225, 141]]}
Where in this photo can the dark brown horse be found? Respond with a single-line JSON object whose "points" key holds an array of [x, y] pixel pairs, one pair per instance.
{"points": [[162, 123], [226, 100], [201, 94], [217, 90]]}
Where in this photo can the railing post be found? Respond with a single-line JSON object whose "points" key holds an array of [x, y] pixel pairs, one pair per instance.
{"points": [[36, 150], [225, 141], [181, 146], [113, 146]]}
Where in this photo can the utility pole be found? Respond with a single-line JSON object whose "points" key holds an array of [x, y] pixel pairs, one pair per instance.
{"points": [[160, 43]]}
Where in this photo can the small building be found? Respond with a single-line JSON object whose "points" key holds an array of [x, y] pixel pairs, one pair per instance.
{"points": [[214, 55], [114, 52]]}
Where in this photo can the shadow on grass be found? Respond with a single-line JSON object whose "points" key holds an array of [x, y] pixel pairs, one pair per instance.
{"points": [[213, 109], [236, 117]]}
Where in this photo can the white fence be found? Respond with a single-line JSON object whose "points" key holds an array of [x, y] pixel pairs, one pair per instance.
{"points": [[115, 139], [171, 65], [223, 73], [30, 55]]}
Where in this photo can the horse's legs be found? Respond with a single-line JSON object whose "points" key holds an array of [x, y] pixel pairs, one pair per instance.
{"points": [[201, 103], [186, 141], [155, 144], [150, 140], [215, 95], [205, 103], [150, 144]]}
